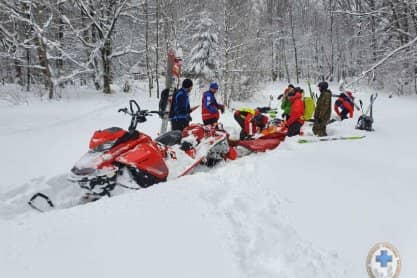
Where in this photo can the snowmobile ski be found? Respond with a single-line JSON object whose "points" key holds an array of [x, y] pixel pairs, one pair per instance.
{"points": [[315, 140], [192, 166], [37, 196]]}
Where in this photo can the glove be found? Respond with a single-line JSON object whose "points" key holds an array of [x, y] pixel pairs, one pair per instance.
{"points": [[221, 108]]}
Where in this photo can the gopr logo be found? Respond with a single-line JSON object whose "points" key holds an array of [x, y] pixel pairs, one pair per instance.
{"points": [[383, 261]]}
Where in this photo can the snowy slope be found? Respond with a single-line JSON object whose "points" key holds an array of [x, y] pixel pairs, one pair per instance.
{"points": [[299, 211]]}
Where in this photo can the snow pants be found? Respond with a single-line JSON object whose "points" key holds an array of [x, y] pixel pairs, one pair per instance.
{"points": [[179, 124], [294, 129], [319, 128]]}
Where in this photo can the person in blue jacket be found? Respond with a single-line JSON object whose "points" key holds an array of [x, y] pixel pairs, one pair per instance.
{"points": [[210, 107], [181, 109]]}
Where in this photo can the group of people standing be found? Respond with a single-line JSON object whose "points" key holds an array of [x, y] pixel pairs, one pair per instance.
{"points": [[181, 109], [252, 121], [292, 106]]}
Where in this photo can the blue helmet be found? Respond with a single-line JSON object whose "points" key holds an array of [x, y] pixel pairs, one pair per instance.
{"points": [[214, 85]]}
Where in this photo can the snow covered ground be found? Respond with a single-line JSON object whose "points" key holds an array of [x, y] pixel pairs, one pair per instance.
{"points": [[302, 210]]}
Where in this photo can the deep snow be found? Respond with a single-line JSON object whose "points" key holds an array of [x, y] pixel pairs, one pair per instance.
{"points": [[310, 210]]}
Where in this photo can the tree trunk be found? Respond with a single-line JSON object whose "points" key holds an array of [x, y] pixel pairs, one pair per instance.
{"points": [[157, 50], [94, 38], [274, 72], [105, 57], [226, 41], [294, 44], [18, 72], [17, 63], [413, 13], [147, 60], [44, 63], [374, 43], [28, 79], [331, 74], [60, 36], [284, 57]]}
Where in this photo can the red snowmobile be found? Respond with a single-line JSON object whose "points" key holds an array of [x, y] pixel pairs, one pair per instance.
{"points": [[120, 159]]}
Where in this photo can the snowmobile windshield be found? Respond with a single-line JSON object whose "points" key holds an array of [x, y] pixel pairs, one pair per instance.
{"points": [[105, 146], [89, 161]]}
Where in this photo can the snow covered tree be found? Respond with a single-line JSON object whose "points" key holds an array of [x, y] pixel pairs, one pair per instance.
{"points": [[204, 57], [241, 43]]}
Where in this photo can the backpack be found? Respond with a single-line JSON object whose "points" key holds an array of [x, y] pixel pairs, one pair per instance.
{"points": [[164, 101], [365, 123], [309, 108], [309, 104]]}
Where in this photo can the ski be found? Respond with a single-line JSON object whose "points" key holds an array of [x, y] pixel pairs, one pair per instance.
{"points": [[315, 140], [192, 166], [173, 71], [312, 95]]}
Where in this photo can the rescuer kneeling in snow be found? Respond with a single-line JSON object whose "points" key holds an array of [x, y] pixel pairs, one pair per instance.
{"points": [[251, 121]]}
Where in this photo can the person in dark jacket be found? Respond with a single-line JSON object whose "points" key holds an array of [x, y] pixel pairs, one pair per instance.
{"points": [[251, 121], [210, 107], [323, 110], [296, 117], [181, 109], [344, 105]]}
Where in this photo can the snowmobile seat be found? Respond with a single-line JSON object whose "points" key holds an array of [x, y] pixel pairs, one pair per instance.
{"points": [[170, 138], [128, 136]]}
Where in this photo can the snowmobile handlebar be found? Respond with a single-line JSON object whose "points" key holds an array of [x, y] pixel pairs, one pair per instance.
{"points": [[147, 113], [124, 110], [138, 113], [138, 116], [133, 104], [134, 108]]}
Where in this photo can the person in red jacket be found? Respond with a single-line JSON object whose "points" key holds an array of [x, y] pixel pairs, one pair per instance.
{"points": [[210, 107], [296, 118], [251, 121], [344, 105]]}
